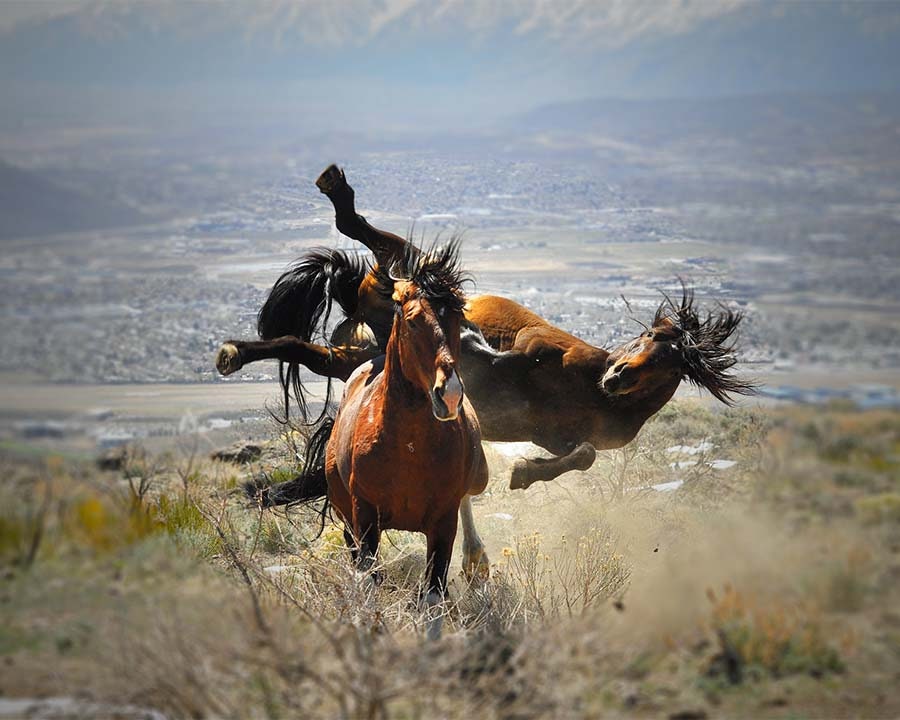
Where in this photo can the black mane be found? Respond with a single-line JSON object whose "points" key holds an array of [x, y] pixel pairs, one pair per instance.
{"points": [[436, 272], [300, 304], [300, 301], [706, 344]]}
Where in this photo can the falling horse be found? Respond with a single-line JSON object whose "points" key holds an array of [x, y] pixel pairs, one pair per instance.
{"points": [[404, 450], [528, 380]]}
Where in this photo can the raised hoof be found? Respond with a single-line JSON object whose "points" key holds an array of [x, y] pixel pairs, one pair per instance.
{"points": [[330, 179], [476, 566], [583, 457], [228, 359], [519, 480]]}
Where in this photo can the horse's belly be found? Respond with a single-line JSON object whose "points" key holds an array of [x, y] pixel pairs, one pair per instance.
{"points": [[504, 415]]}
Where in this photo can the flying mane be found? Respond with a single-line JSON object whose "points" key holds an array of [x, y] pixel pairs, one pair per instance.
{"points": [[436, 272], [706, 344]]}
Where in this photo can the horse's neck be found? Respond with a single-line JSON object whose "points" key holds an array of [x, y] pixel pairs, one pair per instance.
{"points": [[398, 390], [623, 416]]}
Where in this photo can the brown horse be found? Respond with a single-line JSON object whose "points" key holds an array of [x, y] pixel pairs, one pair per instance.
{"points": [[528, 380], [404, 450]]}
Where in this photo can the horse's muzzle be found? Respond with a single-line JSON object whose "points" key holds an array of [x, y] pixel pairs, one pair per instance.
{"points": [[618, 382], [446, 395]]}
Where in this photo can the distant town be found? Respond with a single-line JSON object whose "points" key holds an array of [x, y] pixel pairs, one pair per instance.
{"points": [[591, 237]]}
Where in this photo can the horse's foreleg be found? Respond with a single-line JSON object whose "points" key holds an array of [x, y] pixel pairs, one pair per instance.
{"points": [[384, 245], [528, 471], [336, 362], [475, 560], [366, 537], [352, 546], [440, 548]]}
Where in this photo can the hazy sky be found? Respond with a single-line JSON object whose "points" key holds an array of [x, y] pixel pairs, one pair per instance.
{"points": [[419, 63]]}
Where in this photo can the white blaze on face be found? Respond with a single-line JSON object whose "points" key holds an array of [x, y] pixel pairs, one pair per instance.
{"points": [[450, 390], [607, 375], [453, 393]]}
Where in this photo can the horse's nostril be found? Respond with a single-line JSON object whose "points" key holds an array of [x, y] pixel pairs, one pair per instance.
{"points": [[620, 366]]}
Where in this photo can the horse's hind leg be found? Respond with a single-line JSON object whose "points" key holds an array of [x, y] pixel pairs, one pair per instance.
{"points": [[336, 362], [440, 549], [384, 245], [528, 471], [366, 537], [475, 560]]}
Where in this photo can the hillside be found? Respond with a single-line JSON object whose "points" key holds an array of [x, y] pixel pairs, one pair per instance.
{"points": [[761, 583], [30, 204]]}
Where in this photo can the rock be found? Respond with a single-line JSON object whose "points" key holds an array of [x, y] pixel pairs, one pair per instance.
{"points": [[64, 708], [698, 714], [239, 453], [113, 459]]}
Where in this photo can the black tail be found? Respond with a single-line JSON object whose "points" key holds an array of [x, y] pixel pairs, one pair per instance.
{"points": [[300, 300], [309, 485], [299, 304]]}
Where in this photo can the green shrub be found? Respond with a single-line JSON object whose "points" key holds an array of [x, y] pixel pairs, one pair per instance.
{"points": [[184, 522], [14, 534], [277, 540], [877, 509]]}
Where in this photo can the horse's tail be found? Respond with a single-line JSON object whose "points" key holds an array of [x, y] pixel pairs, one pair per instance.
{"points": [[300, 300], [309, 485], [299, 304]]}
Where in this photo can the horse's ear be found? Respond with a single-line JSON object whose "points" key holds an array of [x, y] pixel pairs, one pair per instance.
{"points": [[401, 291]]}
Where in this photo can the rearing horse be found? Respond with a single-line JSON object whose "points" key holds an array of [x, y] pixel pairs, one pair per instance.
{"points": [[528, 380], [405, 448]]}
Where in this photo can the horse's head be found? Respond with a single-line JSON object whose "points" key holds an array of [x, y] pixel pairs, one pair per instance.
{"points": [[679, 345], [428, 299]]}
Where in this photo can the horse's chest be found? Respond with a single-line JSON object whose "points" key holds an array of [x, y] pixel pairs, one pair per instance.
{"points": [[411, 477]]}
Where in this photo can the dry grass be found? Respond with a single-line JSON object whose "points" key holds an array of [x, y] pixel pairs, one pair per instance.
{"points": [[768, 589]]}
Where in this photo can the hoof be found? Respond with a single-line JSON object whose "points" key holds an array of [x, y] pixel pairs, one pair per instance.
{"points": [[228, 359], [434, 629], [519, 480], [476, 565], [330, 179], [583, 457], [434, 615], [368, 580]]}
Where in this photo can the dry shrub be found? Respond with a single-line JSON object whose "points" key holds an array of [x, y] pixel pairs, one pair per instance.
{"points": [[533, 586], [582, 574], [23, 524], [100, 524], [849, 580], [226, 611], [775, 637]]}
